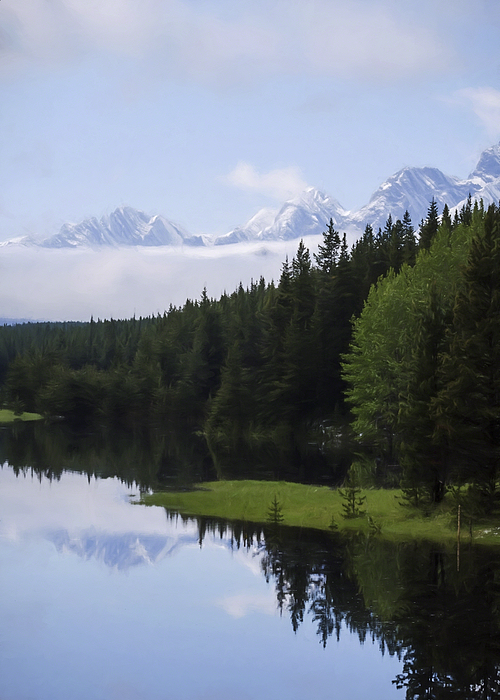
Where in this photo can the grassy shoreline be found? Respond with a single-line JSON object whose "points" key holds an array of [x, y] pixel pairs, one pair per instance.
{"points": [[8, 416], [315, 507]]}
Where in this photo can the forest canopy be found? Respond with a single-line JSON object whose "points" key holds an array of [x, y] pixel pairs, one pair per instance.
{"points": [[399, 333]]}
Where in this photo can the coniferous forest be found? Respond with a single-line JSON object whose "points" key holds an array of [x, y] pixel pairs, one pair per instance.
{"points": [[398, 337]]}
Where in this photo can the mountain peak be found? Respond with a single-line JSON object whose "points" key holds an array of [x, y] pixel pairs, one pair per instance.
{"points": [[488, 165], [125, 226], [409, 189]]}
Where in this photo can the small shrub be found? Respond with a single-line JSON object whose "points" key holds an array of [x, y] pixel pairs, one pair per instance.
{"points": [[333, 526], [274, 513], [413, 497], [352, 499]]}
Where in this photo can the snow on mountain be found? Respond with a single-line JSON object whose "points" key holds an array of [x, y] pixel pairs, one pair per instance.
{"points": [[488, 166], [484, 179], [305, 215], [308, 214], [410, 189], [250, 231], [124, 226]]}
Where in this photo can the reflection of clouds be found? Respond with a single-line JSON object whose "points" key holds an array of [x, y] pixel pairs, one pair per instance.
{"points": [[94, 519], [244, 603], [33, 508]]}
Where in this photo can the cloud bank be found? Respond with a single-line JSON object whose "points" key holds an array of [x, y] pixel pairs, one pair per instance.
{"points": [[215, 43], [42, 284]]}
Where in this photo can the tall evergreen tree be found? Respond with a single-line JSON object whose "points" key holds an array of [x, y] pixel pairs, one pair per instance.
{"points": [[409, 241], [328, 252], [430, 227]]}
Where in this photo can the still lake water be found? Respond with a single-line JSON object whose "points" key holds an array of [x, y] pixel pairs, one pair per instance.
{"points": [[101, 598]]}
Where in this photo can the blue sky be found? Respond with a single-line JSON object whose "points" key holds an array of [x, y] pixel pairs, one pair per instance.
{"points": [[207, 110]]}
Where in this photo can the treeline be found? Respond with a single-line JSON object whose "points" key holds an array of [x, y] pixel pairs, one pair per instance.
{"points": [[424, 367], [261, 359], [273, 362]]}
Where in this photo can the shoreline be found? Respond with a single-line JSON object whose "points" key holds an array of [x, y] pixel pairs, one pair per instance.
{"points": [[321, 508]]}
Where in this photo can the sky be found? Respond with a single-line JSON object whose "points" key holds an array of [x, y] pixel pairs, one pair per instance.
{"points": [[205, 111]]}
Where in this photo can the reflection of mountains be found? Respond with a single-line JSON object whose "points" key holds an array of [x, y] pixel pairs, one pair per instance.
{"points": [[120, 551]]}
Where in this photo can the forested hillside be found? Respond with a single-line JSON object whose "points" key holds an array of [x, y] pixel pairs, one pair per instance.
{"points": [[272, 362], [424, 366]]}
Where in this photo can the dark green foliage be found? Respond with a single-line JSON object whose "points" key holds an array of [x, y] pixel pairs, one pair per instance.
{"points": [[467, 408], [429, 228], [264, 360], [328, 252], [424, 365], [264, 364]]}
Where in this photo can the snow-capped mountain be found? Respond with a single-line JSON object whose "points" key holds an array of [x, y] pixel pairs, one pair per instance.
{"points": [[409, 189], [485, 178], [488, 166], [251, 230], [124, 226], [412, 189], [120, 551], [305, 215]]}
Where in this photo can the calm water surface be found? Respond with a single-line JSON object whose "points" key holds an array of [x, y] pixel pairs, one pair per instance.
{"points": [[102, 598]]}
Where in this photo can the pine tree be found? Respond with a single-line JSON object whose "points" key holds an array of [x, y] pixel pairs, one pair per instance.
{"points": [[409, 241], [430, 227], [465, 215], [296, 384], [328, 252]]}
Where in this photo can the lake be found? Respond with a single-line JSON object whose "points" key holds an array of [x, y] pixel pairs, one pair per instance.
{"points": [[103, 598]]}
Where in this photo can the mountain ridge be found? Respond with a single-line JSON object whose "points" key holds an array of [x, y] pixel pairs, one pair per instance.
{"points": [[409, 189]]}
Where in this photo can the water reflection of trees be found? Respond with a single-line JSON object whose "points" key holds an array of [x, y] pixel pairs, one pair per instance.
{"points": [[310, 576], [148, 458], [154, 457], [410, 599]]}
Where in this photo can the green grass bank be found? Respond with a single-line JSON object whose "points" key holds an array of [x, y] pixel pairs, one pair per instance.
{"points": [[7, 416], [316, 506]]}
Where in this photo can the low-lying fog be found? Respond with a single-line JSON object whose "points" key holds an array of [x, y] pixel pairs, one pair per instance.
{"points": [[44, 284]]}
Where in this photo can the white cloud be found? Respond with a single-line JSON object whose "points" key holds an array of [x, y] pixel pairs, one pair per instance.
{"points": [[216, 45], [46, 284], [241, 605], [485, 103], [280, 184]]}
